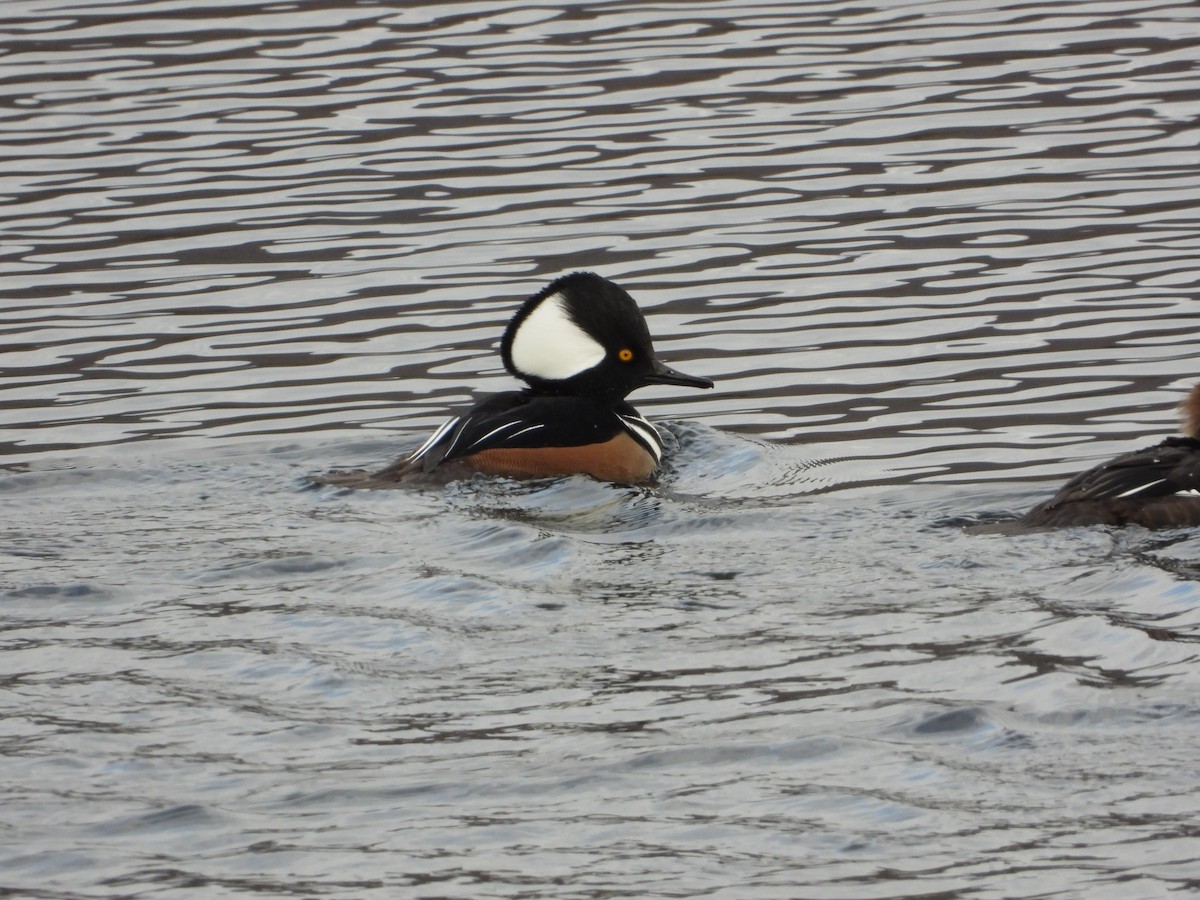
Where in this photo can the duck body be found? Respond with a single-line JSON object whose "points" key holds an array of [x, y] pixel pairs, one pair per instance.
{"points": [[1156, 487], [524, 434], [581, 345]]}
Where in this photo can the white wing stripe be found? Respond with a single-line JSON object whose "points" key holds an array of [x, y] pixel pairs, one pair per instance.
{"points": [[517, 434], [497, 430], [434, 438], [1140, 488]]}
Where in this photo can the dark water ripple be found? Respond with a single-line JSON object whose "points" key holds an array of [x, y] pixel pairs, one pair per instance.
{"points": [[923, 249], [310, 217]]}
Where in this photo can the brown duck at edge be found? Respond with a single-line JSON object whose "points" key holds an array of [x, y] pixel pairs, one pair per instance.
{"points": [[1156, 487]]}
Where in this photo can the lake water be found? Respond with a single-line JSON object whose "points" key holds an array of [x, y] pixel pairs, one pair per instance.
{"points": [[936, 256]]}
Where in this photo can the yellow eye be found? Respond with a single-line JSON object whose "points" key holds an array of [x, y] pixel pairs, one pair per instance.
{"points": [[624, 354]]}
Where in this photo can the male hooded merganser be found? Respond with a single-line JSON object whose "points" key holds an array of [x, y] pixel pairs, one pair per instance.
{"points": [[581, 344], [1158, 487]]}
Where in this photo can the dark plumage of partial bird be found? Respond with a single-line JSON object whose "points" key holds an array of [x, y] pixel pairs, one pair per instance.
{"points": [[1156, 487]]}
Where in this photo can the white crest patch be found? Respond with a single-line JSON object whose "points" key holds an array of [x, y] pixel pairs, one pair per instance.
{"points": [[549, 345]]}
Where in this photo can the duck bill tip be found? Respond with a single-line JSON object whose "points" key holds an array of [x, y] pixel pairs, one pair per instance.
{"points": [[664, 374]]}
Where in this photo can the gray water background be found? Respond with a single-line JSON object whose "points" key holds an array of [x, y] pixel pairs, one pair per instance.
{"points": [[937, 257]]}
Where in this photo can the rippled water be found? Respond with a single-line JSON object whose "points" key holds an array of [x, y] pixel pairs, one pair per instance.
{"points": [[936, 257]]}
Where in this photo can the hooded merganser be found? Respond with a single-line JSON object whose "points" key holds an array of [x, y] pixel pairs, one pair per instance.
{"points": [[1158, 487], [582, 345]]}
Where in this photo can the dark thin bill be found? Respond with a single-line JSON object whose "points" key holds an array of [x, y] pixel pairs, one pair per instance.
{"points": [[664, 374]]}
